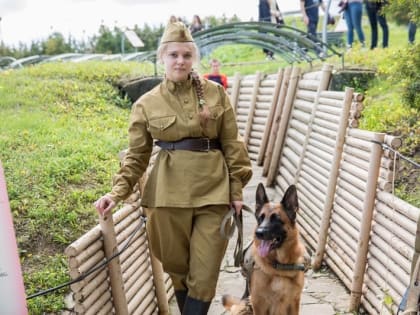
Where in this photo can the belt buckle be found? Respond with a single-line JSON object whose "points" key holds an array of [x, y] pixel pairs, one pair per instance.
{"points": [[206, 142]]}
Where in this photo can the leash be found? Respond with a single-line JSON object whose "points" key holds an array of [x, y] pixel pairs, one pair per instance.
{"points": [[227, 228]]}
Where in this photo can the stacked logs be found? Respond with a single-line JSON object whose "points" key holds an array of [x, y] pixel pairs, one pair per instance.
{"points": [[348, 206], [294, 128], [245, 93], [135, 260], [92, 295], [352, 220], [391, 251], [356, 110], [259, 115], [320, 162]]}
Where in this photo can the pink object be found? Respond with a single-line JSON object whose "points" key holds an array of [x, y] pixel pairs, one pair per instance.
{"points": [[12, 290]]}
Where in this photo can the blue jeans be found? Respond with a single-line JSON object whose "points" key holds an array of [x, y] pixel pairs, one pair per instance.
{"points": [[312, 26], [374, 15], [353, 17], [412, 28]]}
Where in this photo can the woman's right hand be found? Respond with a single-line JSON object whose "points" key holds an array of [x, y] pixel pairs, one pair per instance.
{"points": [[104, 204]]}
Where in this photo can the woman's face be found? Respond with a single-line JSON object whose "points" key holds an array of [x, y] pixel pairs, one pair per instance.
{"points": [[178, 60]]}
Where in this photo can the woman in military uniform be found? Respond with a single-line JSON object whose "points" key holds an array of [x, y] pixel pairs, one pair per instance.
{"points": [[198, 174]]}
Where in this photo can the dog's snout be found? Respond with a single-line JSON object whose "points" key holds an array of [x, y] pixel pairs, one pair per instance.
{"points": [[263, 233]]}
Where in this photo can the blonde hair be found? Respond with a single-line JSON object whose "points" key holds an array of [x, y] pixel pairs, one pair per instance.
{"points": [[204, 113]]}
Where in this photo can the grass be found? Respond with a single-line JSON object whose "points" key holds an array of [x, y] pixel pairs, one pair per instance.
{"points": [[59, 134], [63, 124]]}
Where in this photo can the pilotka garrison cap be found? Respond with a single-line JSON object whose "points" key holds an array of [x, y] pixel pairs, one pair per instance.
{"points": [[176, 32]]}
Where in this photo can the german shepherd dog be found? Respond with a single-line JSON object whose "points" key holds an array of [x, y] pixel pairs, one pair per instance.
{"points": [[277, 277]]}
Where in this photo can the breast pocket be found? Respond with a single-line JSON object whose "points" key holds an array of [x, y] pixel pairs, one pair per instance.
{"points": [[213, 124], [163, 128]]}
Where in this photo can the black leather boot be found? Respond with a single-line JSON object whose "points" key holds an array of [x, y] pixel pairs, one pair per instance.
{"points": [[195, 307], [180, 296]]}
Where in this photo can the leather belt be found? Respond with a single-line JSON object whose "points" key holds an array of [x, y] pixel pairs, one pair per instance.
{"points": [[191, 144]]}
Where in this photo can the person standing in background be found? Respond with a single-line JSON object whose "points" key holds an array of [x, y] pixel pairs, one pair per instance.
{"points": [[353, 16], [196, 24], [310, 14], [215, 74], [375, 15], [412, 29], [268, 11]]}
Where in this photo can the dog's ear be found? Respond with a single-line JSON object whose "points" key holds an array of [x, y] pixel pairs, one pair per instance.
{"points": [[290, 202], [260, 199]]}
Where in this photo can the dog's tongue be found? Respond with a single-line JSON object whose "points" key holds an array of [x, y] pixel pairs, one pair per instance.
{"points": [[264, 248]]}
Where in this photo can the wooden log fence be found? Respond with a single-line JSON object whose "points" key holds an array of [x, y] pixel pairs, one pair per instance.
{"points": [[141, 286], [300, 133], [324, 153]]}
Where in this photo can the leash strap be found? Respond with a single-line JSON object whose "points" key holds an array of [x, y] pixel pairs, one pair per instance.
{"points": [[227, 228]]}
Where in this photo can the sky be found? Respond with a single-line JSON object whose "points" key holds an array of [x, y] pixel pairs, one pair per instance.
{"points": [[28, 20]]}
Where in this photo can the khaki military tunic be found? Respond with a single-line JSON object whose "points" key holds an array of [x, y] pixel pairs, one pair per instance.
{"points": [[182, 178]]}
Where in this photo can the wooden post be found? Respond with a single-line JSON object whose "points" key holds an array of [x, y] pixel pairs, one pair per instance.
{"points": [[367, 214], [234, 93], [252, 106], [160, 288], [270, 118], [288, 104], [110, 247], [268, 151], [332, 183]]}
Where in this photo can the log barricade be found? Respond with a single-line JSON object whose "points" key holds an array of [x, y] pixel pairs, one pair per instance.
{"points": [[275, 146], [244, 90], [342, 178], [392, 246], [93, 294], [273, 112], [302, 134]]}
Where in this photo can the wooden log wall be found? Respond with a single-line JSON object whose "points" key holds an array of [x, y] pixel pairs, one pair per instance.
{"points": [[93, 294], [391, 250], [246, 97], [330, 160], [258, 117]]}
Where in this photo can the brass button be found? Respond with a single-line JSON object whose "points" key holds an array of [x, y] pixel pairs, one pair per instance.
{"points": [[185, 101], [190, 116]]}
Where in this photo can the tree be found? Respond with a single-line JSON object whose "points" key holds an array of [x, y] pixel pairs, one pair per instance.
{"points": [[149, 36], [106, 42], [55, 44], [403, 11]]}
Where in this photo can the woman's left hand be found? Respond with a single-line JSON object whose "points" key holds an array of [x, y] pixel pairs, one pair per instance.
{"points": [[237, 204]]}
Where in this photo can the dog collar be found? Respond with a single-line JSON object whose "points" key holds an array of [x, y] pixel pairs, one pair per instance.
{"points": [[280, 266]]}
